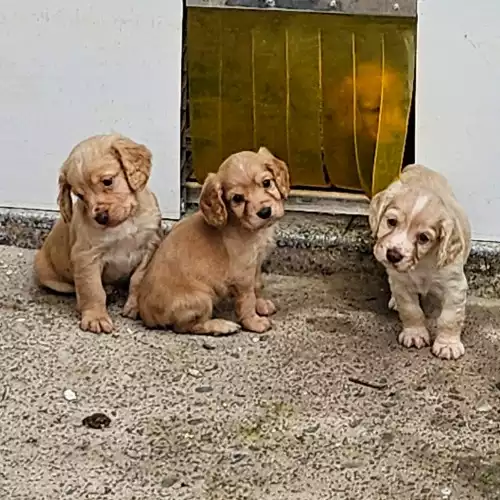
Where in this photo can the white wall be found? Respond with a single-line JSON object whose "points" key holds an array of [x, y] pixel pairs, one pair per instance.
{"points": [[458, 103], [71, 69]]}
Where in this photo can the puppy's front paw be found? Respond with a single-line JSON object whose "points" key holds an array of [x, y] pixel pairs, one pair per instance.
{"points": [[96, 321], [256, 323], [416, 336], [448, 348], [131, 308], [264, 307], [392, 304]]}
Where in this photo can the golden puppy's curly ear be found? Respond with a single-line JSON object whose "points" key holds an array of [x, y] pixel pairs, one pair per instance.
{"points": [[279, 169], [451, 242], [135, 160], [64, 197], [212, 205]]}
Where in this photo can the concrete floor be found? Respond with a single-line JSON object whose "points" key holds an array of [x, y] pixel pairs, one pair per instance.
{"points": [[244, 417]]}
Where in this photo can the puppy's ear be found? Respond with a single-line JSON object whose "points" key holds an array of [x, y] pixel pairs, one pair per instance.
{"points": [[64, 197], [451, 241], [135, 160], [378, 206], [212, 205], [279, 169]]}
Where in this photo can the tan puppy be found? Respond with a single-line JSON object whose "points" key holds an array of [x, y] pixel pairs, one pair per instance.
{"points": [[110, 232], [423, 240], [218, 251]]}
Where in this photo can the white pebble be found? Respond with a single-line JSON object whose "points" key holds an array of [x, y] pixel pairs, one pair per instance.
{"points": [[484, 407], [446, 492], [9, 272], [69, 395], [255, 339], [194, 373]]}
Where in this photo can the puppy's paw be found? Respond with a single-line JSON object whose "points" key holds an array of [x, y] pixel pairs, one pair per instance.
{"points": [[392, 304], [414, 337], [131, 308], [448, 348], [257, 324], [224, 327], [96, 321], [264, 307]]}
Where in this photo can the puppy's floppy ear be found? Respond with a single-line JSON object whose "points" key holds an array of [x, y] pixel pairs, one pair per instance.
{"points": [[135, 160], [212, 205], [451, 241], [279, 169], [64, 197], [379, 204]]}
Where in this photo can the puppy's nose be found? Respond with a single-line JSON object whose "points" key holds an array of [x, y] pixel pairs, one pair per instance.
{"points": [[264, 213], [102, 218], [394, 256]]}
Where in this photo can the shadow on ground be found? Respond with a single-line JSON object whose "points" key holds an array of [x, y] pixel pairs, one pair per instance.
{"points": [[274, 416]]}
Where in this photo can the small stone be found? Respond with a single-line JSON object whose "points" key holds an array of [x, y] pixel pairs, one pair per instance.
{"points": [[235, 355], [9, 272], [263, 338], [311, 429], [255, 339], [446, 492], [96, 421], [20, 254], [195, 421], [238, 457], [169, 481], [20, 320], [484, 407], [497, 385], [69, 395], [211, 368], [130, 331], [209, 347], [177, 377], [202, 389], [194, 372]]}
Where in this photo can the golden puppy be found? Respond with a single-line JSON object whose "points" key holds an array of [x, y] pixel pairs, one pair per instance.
{"points": [[110, 232], [423, 240], [218, 251]]}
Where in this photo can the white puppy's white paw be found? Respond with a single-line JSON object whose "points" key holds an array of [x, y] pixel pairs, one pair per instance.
{"points": [[415, 337], [392, 304], [448, 348]]}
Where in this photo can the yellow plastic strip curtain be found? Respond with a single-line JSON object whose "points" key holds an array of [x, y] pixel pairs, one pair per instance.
{"points": [[329, 94]]}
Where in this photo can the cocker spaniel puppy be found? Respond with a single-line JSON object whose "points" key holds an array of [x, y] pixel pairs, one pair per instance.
{"points": [[110, 232], [423, 240], [218, 251]]}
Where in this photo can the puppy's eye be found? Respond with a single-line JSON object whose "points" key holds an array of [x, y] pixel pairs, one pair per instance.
{"points": [[79, 196], [266, 183], [423, 238], [237, 199], [107, 182], [392, 222]]}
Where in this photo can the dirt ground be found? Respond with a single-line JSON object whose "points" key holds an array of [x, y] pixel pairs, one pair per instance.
{"points": [[325, 406]]}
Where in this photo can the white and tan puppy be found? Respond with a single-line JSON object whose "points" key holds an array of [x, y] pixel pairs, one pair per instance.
{"points": [[423, 240]]}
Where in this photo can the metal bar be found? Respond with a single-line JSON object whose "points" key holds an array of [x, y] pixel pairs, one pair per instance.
{"points": [[392, 8], [305, 200]]}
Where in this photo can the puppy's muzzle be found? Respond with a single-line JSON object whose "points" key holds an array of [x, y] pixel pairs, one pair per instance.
{"points": [[265, 213], [394, 256], [102, 218]]}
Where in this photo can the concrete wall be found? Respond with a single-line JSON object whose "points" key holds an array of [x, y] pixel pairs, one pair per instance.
{"points": [[73, 69], [458, 103]]}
